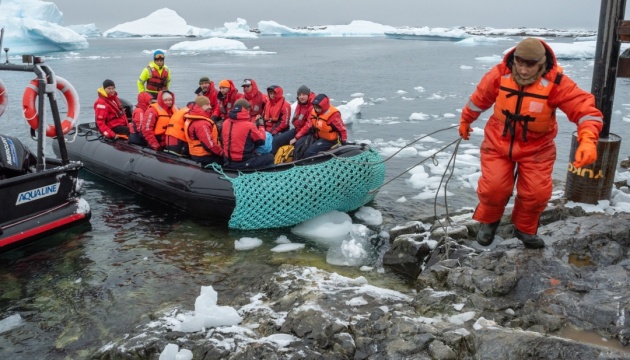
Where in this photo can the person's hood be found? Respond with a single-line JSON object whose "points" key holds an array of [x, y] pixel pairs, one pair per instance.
{"points": [[160, 101], [253, 92], [322, 101], [144, 100], [278, 91]]}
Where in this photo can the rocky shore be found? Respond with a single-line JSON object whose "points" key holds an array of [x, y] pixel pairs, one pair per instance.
{"points": [[503, 302]]}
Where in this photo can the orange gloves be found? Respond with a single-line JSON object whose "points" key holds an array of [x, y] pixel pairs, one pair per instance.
{"points": [[586, 152], [464, 130]]}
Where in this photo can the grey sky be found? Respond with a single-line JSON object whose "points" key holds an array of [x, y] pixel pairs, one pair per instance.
{"points": [[556, 14]]}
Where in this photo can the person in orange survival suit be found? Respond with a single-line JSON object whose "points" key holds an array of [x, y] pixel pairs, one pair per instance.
{"points": [[526, 88]]}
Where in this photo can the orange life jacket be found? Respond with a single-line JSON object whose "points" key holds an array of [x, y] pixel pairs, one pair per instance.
{"points": [[528, 105], [162, 120], [175, 126], [320, 123], [194, 145], [157, 81]]}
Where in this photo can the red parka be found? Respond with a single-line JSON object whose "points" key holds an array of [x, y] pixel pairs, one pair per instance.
{"points": [[277, 112], [226, 102], [144, 100], [302, 113], [109, 113], [510, 145], [257, 100], [240, 136], [211, 94]]}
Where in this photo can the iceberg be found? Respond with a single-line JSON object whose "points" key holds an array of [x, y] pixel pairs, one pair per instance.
{"points": [[86, 30], [33, 26], [162, 22], [426, 33], [355, 28]]}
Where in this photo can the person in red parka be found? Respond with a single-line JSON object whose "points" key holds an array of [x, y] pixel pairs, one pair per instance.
{"points": [[207, 89], [202, 134], [301, 115], [135, 132], [157, 118], [227, 97], [327, 127], [257, 100], [240, 137], [518, 147], [111, 119]]}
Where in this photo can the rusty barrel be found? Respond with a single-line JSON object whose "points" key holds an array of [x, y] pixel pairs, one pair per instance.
{"points": [[594, 182]]}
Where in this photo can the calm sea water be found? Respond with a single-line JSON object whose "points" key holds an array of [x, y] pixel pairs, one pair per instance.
{"points": [[80, 289]]}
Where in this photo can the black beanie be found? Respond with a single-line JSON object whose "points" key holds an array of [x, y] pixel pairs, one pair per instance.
{"points": [[107, 83], [304, 90]]}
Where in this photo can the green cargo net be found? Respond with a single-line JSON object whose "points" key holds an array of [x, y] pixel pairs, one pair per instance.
{"points": [[287, 198]]}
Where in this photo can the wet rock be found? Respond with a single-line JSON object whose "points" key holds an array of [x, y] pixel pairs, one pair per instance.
{"points": [[407, 254]]}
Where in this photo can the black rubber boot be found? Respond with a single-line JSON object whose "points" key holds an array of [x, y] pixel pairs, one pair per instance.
{"points": [[531, 241], [485, 235]]}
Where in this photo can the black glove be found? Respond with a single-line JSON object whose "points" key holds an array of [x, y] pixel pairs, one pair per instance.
{"points": [[214, 118], [260, 122], [344, 142]]}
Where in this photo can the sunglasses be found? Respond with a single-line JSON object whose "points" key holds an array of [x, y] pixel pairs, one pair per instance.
{"points": [[529, 63]]}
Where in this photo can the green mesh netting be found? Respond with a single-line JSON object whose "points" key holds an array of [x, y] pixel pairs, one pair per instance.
{"points": [[287, 198]]}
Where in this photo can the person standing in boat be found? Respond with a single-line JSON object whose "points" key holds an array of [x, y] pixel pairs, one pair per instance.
{"points": [[526, 88], [240, 137], [326, 125], [156, 76], [301, 115], [135, 125], [156, 119], [202, 133], [207, 89], [257, 100], [228, 94], [111, 119]]}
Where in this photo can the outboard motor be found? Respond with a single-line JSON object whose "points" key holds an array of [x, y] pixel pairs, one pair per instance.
{"points": [[15, 158]]}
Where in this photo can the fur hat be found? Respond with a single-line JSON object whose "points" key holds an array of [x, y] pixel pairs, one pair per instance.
{"points": [[201, 101], [224, 83], [107, 83], [530, 49], [242, 103], [204, 79], [304, 90]]}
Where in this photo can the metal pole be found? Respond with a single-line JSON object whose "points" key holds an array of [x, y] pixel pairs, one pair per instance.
{"points": [[606, 59]]}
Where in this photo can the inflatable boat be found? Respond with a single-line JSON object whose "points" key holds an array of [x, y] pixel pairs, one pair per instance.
{"points": [[344, 179], [39, 195]]}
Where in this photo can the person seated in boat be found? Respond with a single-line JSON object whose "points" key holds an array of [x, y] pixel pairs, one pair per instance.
{"points": [[301, 115], [327, 126], [156, 119], [111, 119], [227, 96], [135, 133], [257, 100], [241, 136], [277, 113], [202, 134], [156, 76], [207, 89], [175, 141]]}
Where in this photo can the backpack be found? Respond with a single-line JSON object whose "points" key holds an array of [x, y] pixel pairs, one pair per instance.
{"points": [[284, 154]]}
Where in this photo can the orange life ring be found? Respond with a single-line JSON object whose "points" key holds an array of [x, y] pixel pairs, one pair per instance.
{"points": [[30, 109], [4, 98]]}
